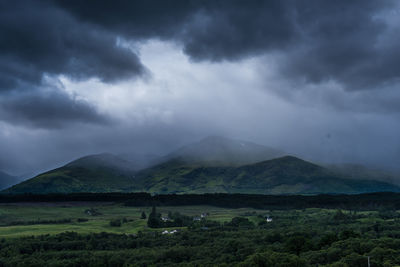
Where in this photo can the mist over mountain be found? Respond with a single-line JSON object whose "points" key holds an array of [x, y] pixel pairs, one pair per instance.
{"points": [[7, 180], [217, 150], [214, 164], [284, 175], [139, 160], [358, 171], [104, 160]]}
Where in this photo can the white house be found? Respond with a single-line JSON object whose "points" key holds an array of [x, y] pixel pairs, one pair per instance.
{"points": [[267, 218], [166, 232], [165, 219]]}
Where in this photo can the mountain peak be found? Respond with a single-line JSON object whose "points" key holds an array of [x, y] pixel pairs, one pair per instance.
{"points": [[215, 138], [290, 158], [224, 151], [101, 160]]}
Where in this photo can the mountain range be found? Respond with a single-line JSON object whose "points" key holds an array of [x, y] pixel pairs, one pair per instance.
{"points": [[94, 173], [214, 164]]}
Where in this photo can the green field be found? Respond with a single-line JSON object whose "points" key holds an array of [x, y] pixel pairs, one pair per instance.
{"points": [[63, 234], [36, 212], [31, 214]]}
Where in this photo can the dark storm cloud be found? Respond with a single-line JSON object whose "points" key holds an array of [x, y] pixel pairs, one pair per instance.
{"points": [[38, 40], [320, 40], [342, 41], [209, 30], [144, 19], [47, 109], [233, 30]]}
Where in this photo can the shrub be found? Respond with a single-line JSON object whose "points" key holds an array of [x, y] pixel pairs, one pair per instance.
{"points": [[143, 215], [115, 223]]}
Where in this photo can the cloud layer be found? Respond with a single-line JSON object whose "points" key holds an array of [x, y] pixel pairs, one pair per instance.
{"points": [[351, 42], [166, 72]]}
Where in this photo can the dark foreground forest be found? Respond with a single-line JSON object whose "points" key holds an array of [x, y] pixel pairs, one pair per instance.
{"points": [[311, 231]]}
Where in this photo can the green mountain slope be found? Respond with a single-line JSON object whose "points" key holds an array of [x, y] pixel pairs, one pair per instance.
{"points": [[211, 165], [95, 173], [103, 161], [285, 175]]}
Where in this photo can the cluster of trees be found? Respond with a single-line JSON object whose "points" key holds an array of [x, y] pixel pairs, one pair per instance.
{"points": [[118, 222], [370, 201], [59, 221], [240, 222], [175, 219]]}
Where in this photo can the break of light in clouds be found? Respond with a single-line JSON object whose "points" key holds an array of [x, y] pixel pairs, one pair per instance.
{"points": [[317, 80]]}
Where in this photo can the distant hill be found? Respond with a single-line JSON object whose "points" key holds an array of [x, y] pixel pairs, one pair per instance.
{"points": [[7, 180], [94, 173], [221, 151], [358, 171], [214, 164], [285, 175]]}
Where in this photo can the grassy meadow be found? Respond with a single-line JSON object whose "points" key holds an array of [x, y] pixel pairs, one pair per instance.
{"points": [[24, 219], [26, 213]]}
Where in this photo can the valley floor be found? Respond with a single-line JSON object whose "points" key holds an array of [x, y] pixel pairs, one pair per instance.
{"points": [[83, 234], [26, 219]]}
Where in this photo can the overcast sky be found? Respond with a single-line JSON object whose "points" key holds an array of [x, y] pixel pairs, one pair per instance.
{"points": [[320, 79]]}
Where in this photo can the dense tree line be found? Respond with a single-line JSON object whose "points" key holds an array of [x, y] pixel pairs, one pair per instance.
{"points": [[175, 219], [299, 239], [371, 201], [59, 221]]}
